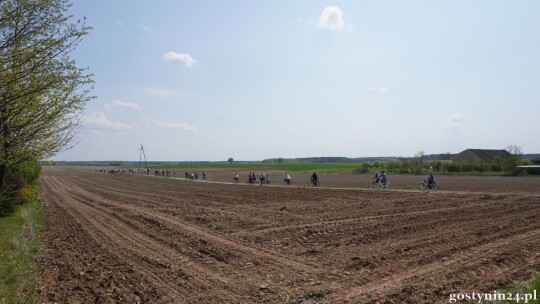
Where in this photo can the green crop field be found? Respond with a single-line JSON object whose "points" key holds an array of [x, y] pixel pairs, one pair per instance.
{"points": [[293, 167]]}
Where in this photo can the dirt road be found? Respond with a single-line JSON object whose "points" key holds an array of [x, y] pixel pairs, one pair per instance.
{"points": [[133, 239]]}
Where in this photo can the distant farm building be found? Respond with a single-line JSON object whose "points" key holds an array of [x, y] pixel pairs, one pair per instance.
{"points": [[533, 169], [473, 155]]}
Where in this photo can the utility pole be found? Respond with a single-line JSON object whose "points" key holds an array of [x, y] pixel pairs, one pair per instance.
{"points": [[141, 155]]}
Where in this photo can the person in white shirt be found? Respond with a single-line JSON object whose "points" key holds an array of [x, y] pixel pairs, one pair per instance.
{"points": [[287, 178]]}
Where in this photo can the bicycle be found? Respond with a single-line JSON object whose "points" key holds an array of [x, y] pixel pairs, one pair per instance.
{"points": [[265, 181], [380, 185], [314, 183], [375, 184], [425, 186]]}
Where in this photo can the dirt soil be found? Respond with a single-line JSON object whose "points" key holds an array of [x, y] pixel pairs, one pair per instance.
{"points": [[120, 238]]}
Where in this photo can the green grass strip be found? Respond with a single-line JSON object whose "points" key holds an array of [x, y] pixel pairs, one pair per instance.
{"points": [[293, 167], [521, 291], [19, 246]]}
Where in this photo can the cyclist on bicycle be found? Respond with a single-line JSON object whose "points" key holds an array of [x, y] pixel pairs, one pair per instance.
{"points": [[384, 177], [287, 178], [253, 178], [377, 177], [314, 178], [430, 179]]}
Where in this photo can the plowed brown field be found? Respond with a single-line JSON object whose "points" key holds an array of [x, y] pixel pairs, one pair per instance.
{"points": [[119, 238]]}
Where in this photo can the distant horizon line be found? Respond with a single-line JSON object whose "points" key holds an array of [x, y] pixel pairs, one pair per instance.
{"points": [[272, 158]]}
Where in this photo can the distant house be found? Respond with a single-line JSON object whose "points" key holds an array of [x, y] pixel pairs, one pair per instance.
{"points": [[473, 155]]}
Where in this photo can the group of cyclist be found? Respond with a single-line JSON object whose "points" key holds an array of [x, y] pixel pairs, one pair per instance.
{"points": [[193, 175], [382, 177], [264, 179]]}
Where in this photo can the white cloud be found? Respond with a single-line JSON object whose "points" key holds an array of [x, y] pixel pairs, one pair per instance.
{"points": [[158, 92], [154, 123], [454, 124], [146, 28], [456, 117], [123, 104], [332, 19], [100, 120], [119, 23], [180, 126], [380, 90], [186, 59]]}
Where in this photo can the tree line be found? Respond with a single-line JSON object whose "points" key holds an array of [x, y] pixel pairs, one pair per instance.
{"points": [[496, 165], [42, 91], [420, 165]]}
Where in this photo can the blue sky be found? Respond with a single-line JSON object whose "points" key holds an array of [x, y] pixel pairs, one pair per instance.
{"points": [[209, 80]]}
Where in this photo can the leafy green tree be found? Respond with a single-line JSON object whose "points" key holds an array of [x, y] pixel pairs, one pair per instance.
{"points": [[509, 165], [437, 166], [404, 166], [230, 160], [19, 186], [29, 171], [42, 91], [496, 164], [418, 162], [454, 167], [391, 166]]}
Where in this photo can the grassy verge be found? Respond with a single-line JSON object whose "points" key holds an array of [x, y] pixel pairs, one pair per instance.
{"points": [[19, 245], [535, 286], [524, 288]]}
